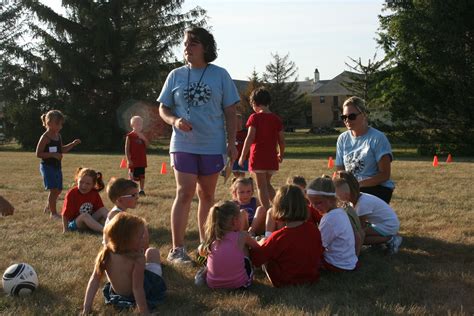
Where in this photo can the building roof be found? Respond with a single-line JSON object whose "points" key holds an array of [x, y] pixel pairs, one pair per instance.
{"points": [[306, 86], [334, 86]]}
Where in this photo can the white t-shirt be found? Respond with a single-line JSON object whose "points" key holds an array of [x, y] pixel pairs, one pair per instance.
{"points": [[337, 237], [378, 213]]}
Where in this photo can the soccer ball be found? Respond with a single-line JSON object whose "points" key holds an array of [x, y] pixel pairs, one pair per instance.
{"points": [[19, 279]]}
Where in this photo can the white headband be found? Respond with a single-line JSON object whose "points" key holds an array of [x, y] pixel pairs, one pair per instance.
{"points": [[314, 192]]}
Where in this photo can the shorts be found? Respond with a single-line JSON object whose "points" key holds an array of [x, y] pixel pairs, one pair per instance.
{"points": [[201, 165], [272, 172], [138, 173], [153, 284], [249, 270], [379, 191], [237, 168], [72, 225], [52, 177], [379, 230]]}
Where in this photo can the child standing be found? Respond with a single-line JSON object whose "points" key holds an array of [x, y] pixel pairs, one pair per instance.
{"points": [[336, 231], [240, 136], [83, 207], [134, 272], [264, 134], [292, 254], [378, 219], [226, 248], [242, 194], [50, 149], [135, 151]]}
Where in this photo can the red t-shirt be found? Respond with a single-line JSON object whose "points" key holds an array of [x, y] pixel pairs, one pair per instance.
{"points": [[137, 150], [263, 152], [76, 203], [292, 255], [314, 215], [240, 140]]}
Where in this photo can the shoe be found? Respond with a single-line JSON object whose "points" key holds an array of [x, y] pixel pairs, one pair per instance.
{"points": [[200, 278], [393, 244], [141, 193], [178, 255], [200, 259]]}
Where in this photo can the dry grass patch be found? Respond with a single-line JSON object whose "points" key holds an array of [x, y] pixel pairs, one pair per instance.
{"points": [[432, 274]]}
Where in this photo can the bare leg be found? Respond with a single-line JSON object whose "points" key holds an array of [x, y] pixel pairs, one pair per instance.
{"points": [[152, 255], [100, 215], [259, 221], [244, 220], [185, 188], [86, 221], [142, 184], [271, 190], [206, 189], [262, 189], [52, 200], [372, 237]]}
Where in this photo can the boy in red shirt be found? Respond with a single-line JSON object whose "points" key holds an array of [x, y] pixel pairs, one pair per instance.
{"points": [[135, 151]]}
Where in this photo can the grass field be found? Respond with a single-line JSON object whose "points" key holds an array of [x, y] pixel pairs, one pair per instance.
{"points": [[432, 274]]}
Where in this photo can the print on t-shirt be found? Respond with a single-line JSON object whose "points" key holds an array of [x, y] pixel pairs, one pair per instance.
{"points": [[198, 94], [354, 162], [86, 208]]}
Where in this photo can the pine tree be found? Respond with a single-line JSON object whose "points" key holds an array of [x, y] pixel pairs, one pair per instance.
{"points": [[92, 62], [244, 106]]}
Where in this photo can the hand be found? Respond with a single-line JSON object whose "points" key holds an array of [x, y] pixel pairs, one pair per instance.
{"points": [[58, 156], [76, 142], [182, 124], [232, 152], [241, 162]]}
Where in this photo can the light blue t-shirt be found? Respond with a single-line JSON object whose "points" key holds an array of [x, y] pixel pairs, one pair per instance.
{"points": [[201, 101], [359, 155]]}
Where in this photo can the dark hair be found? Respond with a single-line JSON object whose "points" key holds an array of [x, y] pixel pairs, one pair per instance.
{"points": [[95, 175], [289, 204], [261, 96], [206, 39], [297, 180], [118, 187]]}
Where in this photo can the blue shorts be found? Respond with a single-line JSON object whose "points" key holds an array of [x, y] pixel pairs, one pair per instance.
{"points": [[201, 165], [237, 168], [72, 225], [52, 177]]}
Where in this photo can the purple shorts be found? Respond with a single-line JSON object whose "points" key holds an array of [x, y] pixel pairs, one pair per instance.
{"points": [[201, 165]]}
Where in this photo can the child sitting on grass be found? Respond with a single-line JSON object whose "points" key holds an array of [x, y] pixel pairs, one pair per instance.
{"points": [[226, 247], [292, 254], [83, 207], [134, 273]]}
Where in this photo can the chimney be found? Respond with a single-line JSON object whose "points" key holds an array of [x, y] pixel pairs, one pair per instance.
{"points": [[316, 75]]}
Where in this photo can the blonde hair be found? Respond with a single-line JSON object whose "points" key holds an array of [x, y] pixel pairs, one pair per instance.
{"points": [[297, 180], [118, 187], [135, 118], [346, 178], [95, 175], [50, 116], [289, 204], [237, 181], [358, 103], [218, 222], [118, 234], [326, 185]]}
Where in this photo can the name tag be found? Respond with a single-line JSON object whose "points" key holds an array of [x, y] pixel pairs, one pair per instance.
{"points": [[53, 149]]}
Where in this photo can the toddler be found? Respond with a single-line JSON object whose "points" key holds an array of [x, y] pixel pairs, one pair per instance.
{"points": [[135, 151]]}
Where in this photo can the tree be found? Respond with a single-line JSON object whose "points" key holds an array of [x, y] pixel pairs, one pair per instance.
{"points": [[430, 89], [244, 106], [88, 63], [280, 79]]}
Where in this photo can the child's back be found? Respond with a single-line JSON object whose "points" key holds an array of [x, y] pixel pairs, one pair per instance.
{"points": [[119, 269], [263, 152]]}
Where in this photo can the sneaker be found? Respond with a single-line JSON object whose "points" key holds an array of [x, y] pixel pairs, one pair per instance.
{"points": [[200, 278], [393, 244], [141, 193], [178, 255]]}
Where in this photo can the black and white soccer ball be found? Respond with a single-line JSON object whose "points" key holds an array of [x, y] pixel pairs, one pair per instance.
{"points": [[19, 279]]}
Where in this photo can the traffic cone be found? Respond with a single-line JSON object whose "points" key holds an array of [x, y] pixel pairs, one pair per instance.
{"points": [[330, 163], [123, 164], [435, 161], [334, 174], [163, 168], [450, 158]]}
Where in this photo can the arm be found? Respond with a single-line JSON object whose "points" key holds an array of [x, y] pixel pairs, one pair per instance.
{"points": [[231, 130], [68, 147], [178, 122], [138, 275], [128, 156], [145, 140], [248, 141], [91, 290], [281, 146], [383, 174], [249, 241], [40, 153], [65, 224]]}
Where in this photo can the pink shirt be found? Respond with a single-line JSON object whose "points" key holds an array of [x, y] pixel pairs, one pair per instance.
{"points": [[225, 264]]}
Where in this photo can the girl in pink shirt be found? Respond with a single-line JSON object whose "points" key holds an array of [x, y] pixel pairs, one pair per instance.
{"points": [[226, 248]]}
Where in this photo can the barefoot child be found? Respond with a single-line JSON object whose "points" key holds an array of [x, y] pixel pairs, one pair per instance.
{"points": [[50, 149], [135, 151], [83, 208], [134, 273], [264, 134]]}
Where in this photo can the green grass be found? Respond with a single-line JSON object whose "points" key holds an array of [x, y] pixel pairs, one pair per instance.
{"points": [[432, 274]]}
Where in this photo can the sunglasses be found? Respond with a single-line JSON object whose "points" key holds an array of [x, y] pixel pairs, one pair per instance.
{"points": [[134, 195], [351, 116]]}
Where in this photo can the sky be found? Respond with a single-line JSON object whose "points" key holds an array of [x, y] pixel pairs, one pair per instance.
{"points": [[320, 34]]}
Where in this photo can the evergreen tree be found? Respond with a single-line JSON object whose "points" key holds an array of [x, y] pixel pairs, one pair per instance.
{"points": [[430, 89], [280, 79], [244, 106], [91, 62]]}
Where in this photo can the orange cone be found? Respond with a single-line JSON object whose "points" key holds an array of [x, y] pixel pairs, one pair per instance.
{"points": [[330, 163], [334, 174], [123, 164], [450, 158], [163, 168], [435, 161]]}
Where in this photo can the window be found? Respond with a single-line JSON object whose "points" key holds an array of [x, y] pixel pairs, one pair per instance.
{"points": [[322, 99]]}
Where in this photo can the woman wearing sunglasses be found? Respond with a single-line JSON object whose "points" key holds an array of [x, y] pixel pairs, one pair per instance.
{"points": [[364, 151]]}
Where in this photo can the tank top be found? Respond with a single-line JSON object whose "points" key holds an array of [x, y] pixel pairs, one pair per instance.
{"points": [[53, 146], [250, 207]]}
